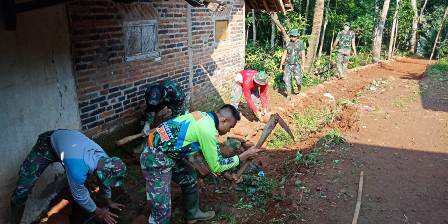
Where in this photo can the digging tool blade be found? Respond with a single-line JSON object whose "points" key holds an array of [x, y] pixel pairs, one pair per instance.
{"points": [[285, 126], [268, 128]]}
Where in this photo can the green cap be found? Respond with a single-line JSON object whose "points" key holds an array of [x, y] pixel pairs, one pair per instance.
{"points": [[112, 172], [294, 32], [346, 24], [261, 78]]}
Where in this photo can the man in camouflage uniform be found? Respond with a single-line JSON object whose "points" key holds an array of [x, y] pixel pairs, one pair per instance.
{"points": [[346, 40], [165, 154], [80, 157], [159, 96], [295, 60]]}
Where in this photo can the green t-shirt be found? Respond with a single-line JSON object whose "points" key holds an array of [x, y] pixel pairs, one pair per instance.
{"points": [[191, 133]]}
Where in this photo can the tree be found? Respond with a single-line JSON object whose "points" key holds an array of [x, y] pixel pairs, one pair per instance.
{"points": [[324, 29], [280, 27], [393, 30], [273, 33], [254, 28], [315, 34], [376, 48], [438, 32], [413, 42]]}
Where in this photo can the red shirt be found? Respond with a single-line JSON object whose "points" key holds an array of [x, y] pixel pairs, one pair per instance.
{"points": [[248, 85]]}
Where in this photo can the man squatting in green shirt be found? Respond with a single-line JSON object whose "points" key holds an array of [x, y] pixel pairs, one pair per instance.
{"points": [[164, 155]]}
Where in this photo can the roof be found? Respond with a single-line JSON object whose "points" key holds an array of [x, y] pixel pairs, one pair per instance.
{"points": [[270, 5]]}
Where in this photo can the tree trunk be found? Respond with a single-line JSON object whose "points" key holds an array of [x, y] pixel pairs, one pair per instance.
{"points": [[395, 36], [393, 30], [306, 9], [315, 34], [274, 18], [420, 18], [254, 27], [323, 37], [413, 42], [438, 32], [273, 33], [247, 35], [376, 49], [324, 29]]}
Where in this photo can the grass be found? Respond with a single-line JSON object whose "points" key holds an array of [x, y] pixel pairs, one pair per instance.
{"points": [[438, 71], [258, 190], [223, 216], [279, 139], [305, 123], [312, 120], [330, 140]]}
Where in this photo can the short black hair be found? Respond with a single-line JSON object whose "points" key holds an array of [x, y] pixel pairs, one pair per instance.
{"points": [[228, 110]]}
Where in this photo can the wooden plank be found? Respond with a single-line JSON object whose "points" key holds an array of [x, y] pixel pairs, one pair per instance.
{"points": [[266, 6]]}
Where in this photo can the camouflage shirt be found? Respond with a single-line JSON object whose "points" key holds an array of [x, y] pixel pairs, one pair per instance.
{"points": [[345, 41], [294, 52]]}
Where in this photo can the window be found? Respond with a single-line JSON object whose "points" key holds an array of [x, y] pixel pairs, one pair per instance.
{"points": [[141, 40], [221, 30]]}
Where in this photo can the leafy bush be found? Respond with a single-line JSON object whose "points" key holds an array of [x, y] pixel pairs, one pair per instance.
{"points": [[363, 58], [443, 50], [438, 71]]}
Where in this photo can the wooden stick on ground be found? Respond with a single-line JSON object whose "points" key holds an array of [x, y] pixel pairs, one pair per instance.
{"points": [[358, 201]]}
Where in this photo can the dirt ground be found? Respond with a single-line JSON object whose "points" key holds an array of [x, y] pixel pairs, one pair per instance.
{"points": [[396, 131]]}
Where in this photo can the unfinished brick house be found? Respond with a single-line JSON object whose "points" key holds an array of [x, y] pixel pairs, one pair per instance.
{"points": [[84, 64]]}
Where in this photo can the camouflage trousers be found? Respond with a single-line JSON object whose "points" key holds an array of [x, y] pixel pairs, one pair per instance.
{"points": [[34, 165], [292, 71], [158, 170], [342, 63], [237, 92]]}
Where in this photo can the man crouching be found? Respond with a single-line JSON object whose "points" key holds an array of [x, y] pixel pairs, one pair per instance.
{"points": [[164, 156]]}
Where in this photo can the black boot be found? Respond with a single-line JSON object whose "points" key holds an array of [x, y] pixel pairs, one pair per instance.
{"points": [[17, 210]]}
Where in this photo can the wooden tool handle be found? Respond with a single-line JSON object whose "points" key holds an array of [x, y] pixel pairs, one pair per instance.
{"points": [[128, 139]]}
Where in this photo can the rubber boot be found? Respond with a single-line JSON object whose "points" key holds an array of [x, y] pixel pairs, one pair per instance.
{"points": [[17, 212], [192, 211]]}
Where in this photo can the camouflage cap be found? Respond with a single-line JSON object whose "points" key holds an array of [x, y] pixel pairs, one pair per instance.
{"points": [[261, 78], [294, 32], [112, 172], [346, 24]]}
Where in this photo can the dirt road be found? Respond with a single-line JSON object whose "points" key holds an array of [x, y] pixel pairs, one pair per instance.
{"points": [[402, 147]]}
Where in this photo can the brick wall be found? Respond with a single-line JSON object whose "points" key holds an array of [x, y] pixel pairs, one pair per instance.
{"points": [[110, 90]]}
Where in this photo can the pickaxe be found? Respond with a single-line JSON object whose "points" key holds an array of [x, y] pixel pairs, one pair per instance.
{"points": [[268, 128]]}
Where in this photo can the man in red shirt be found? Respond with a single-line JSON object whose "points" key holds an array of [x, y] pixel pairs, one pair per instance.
{"points": [[254, 86]]}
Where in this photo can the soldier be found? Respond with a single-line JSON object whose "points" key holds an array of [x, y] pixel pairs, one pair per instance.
{"points": [[164, 101], [164, 158], [346, 41], [254, 86], [80, 157], [295, 61], [160, 96]]}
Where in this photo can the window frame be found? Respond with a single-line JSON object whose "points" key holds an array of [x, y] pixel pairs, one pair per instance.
{"points": [[155, 54]]}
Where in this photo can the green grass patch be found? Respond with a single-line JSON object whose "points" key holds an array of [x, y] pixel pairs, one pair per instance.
{"points": [[310, 159], [438, 71], [258, 190], [279, 139], [311, 121]]}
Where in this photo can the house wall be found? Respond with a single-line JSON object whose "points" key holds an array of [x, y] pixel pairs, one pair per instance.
{"points": [[110, 90], [38, 94]]}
